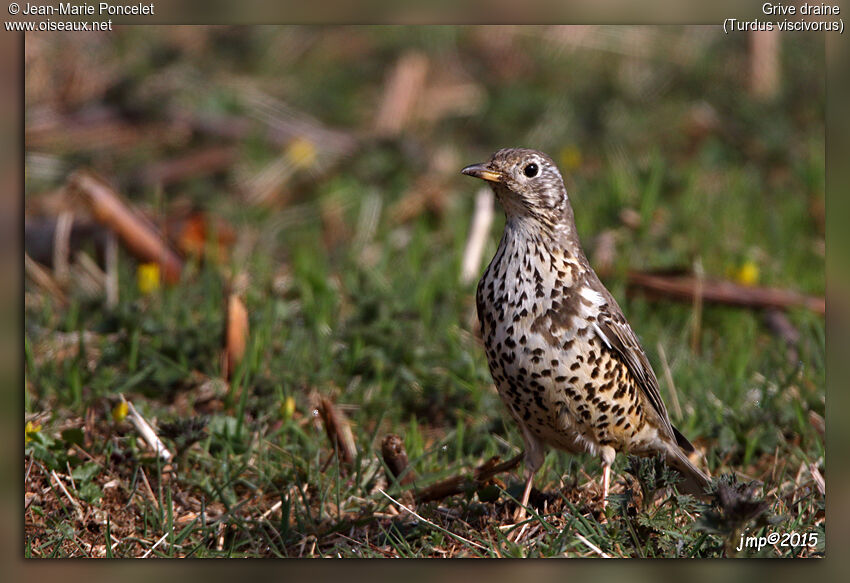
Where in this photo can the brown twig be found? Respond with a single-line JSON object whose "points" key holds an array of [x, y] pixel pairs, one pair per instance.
{"points": [[42, 278], [139, 235], [395, 457], [402, 90], [236, 335], [463, 483], [338, 430], [724, 292], [200, 162]]}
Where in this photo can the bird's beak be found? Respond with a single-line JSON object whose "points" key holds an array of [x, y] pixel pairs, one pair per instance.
{"points": [[483, 172]]}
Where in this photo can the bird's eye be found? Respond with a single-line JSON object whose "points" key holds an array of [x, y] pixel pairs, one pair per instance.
{"points": [[530, 170]]}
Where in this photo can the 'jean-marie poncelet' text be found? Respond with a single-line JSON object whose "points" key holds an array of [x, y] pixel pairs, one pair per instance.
{"points": [[101, 9]]}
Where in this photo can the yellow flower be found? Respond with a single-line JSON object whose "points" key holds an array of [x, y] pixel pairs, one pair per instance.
{"points": [[30, 430], [147, 277], [119, 412], [570, 157], [748, 273], [287, 408], [301, 152]]}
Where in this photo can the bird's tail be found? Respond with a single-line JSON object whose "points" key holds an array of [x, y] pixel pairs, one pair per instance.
{"points": [[695, 481]]}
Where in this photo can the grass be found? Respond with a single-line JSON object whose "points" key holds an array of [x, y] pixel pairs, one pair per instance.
{"points": [[376, 319]]}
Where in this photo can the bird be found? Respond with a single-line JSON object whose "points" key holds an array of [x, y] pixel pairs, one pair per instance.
{"points": [[564, 360]]}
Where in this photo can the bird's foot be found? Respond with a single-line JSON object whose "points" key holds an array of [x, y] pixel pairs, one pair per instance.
{"points": [[519, 514]]}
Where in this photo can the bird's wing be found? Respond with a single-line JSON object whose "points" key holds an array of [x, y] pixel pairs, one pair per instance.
{"points": [[613, 329]]}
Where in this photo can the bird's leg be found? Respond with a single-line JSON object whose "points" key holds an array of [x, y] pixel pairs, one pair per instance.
{"points": [[534, 454], [519, 516], [606, 482], [608, 455]]}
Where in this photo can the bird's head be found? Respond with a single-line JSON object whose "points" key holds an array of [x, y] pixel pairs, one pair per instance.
{"points": [[527, 184]]}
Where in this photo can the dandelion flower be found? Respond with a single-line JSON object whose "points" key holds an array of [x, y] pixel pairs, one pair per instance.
{"points": [[30, 430], [747, 273], [119, 412], [147, 277], [287, 408], [301, 152]]}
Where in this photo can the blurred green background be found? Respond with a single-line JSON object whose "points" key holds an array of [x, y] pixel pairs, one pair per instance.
{"points": [[325, 160]]}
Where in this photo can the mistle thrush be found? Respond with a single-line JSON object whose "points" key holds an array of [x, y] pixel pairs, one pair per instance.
{"points": [[562, 355]]}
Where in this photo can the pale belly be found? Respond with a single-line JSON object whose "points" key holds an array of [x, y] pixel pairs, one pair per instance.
{"points": [[565, 388]]}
